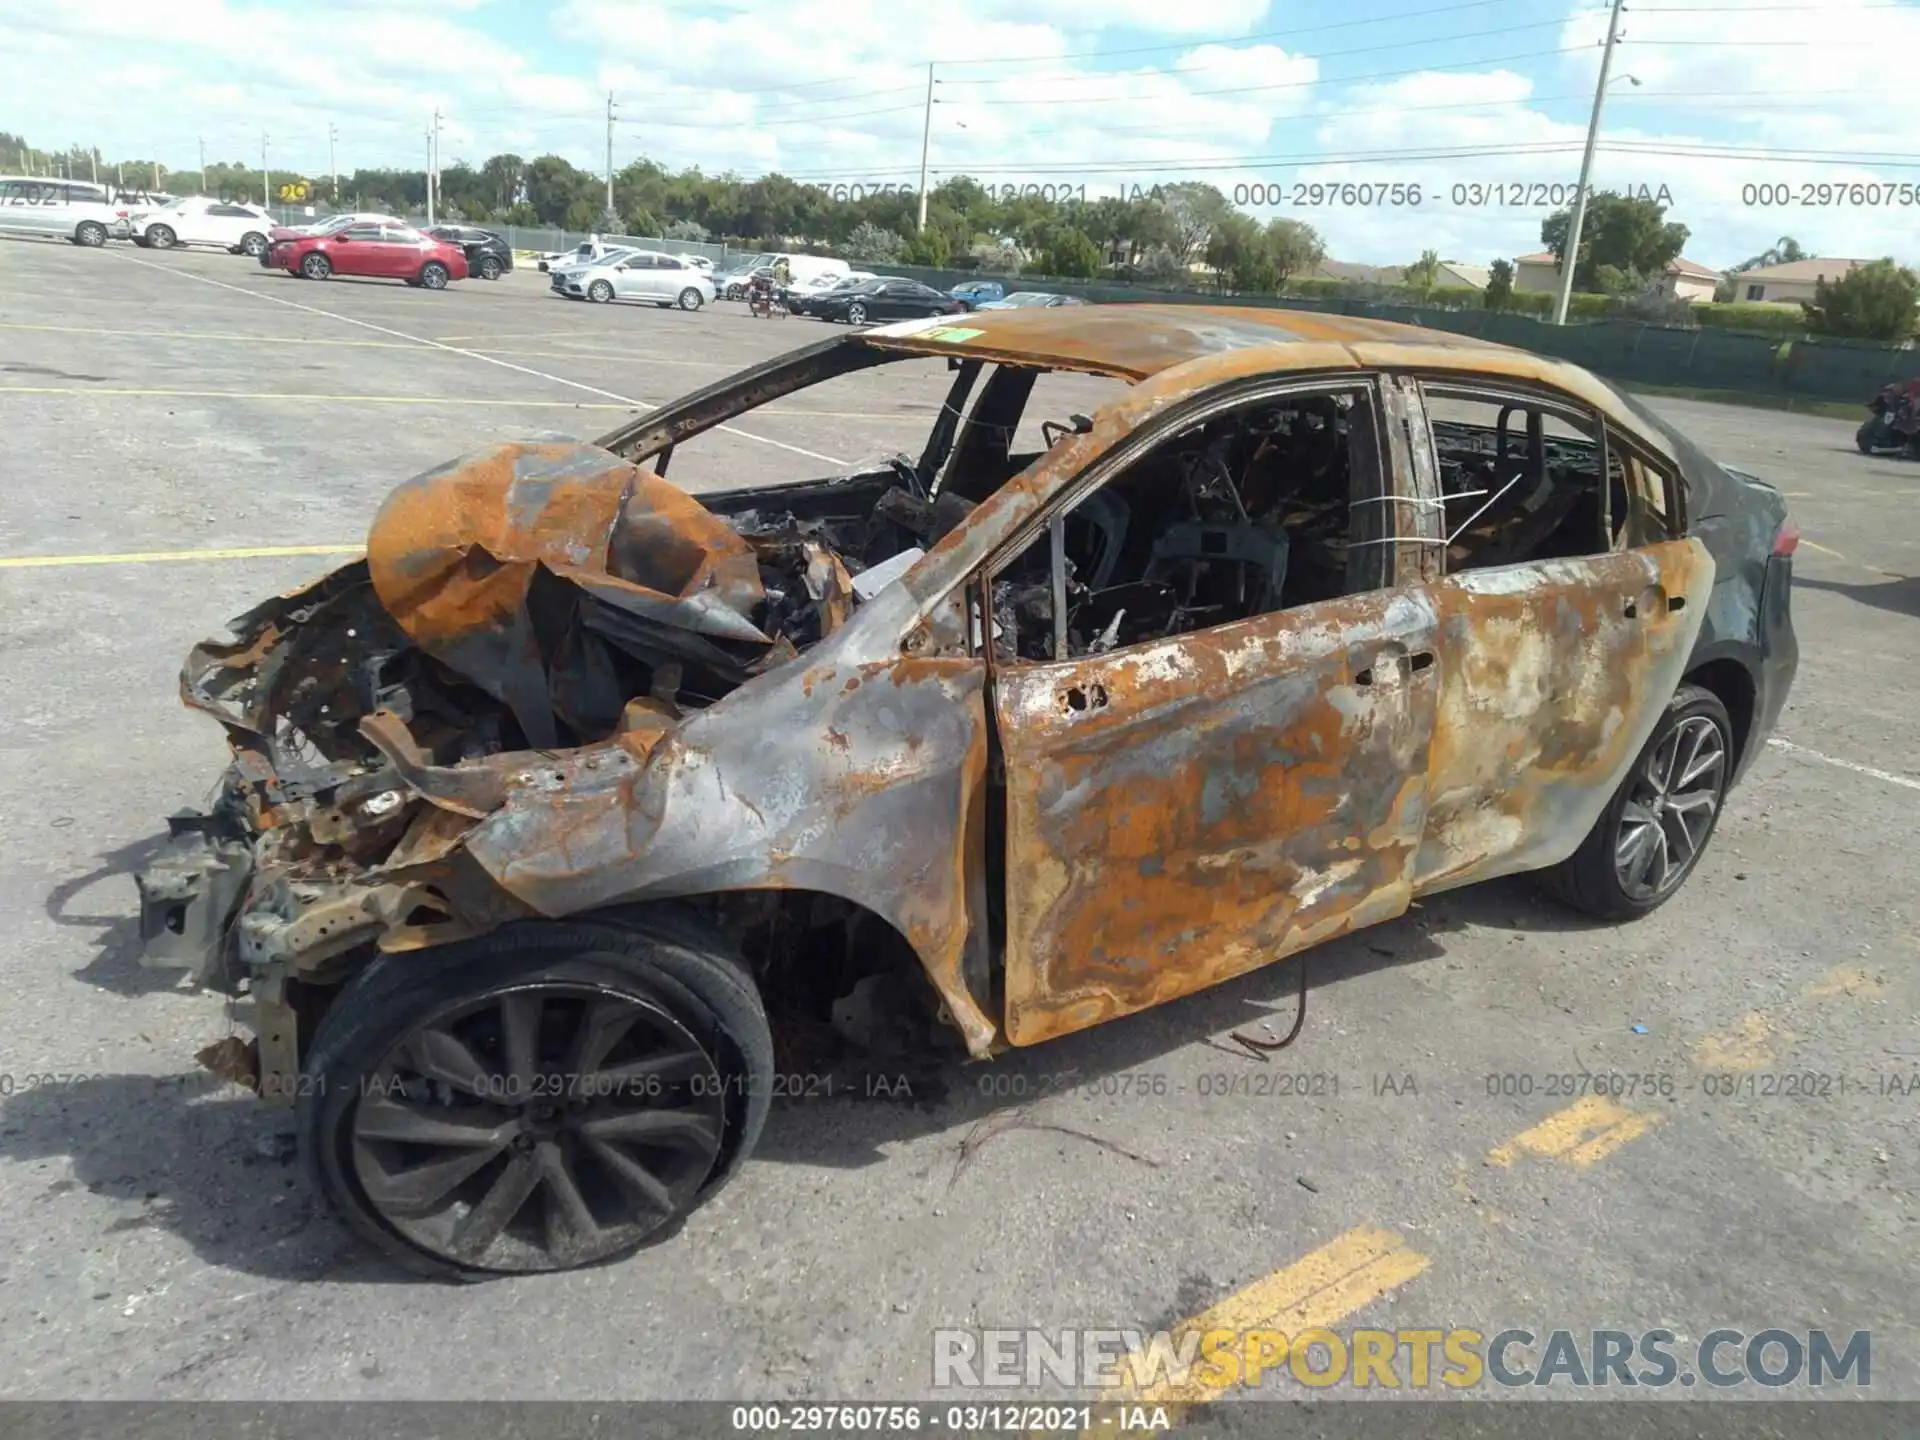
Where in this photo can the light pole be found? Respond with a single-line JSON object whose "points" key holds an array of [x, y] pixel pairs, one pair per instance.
{"points": [[610, 222], [333, 166], [926, 138], [1570, 257]]}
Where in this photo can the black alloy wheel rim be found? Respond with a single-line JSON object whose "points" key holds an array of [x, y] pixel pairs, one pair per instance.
{"points": [[1670, 809], [538, 1127]]}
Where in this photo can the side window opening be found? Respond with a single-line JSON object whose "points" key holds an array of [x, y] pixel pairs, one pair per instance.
{"points": [[1521, 479], [1241, 514]]}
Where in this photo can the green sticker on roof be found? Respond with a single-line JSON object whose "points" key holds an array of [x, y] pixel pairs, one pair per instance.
{"points": [[953, 334]]}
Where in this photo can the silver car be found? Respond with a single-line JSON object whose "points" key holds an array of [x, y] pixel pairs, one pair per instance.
{"points": [[645, 275], [71, 209]]}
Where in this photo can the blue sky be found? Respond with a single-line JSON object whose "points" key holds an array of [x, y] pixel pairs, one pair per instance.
{"points": [[1256, 96]]}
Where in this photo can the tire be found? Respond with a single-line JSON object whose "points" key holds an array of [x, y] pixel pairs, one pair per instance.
{"points": [[315, 266], [699, 1043], [90, 234], [253, 244], [1591, 879], [691, 299], [434, 276], [734, 292], [489, 268], [161, 237], [139, 239], [856, 313], [600, 292], [1863, 437]]}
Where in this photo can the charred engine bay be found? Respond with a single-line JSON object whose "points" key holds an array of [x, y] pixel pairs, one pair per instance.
{"points": [[516, 607]]}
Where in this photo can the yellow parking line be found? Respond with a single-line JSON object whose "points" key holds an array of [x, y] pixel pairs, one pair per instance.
{"points": [[323, 399], [1343, 1276], [149, 557], [205, 335], [225, 336], [1751, 1042], [1587, 1131], [920, 415]]}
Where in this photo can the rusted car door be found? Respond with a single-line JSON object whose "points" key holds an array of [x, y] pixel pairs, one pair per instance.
{"points": [[1553, 672], [1184, 810]]}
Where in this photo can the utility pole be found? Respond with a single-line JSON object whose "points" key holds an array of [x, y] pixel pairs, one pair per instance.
{"points": [[609, 155], [93, 166], [203, 164], [926, 136], [433, 166], [1570, 258], [266, 176], [333, 167]]}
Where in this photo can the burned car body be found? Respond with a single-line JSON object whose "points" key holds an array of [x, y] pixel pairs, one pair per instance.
{"points": [[538, 809]]}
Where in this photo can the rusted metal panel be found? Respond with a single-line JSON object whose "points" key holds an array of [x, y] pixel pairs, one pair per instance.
{"points": [[861, 780], [1189, 810], [1553, 675], [1137, 341]]}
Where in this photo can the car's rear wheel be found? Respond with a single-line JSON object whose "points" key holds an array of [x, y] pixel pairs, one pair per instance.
{"points": [[600, 292], [433, 276], [90, 234], [544, 1097], [316, 266], [691, 299], [856, 313], [161, 237], [1659, 822], [734, 292], [253, 244], [489, 268]]}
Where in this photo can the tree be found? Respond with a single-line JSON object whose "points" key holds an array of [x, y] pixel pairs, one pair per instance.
{"points": [[1873, 302], [1630, 233], [1193, 209], [1499, 285], [580, 215], [1423, 276], [1072, 255], [872, 243], [1237, 251], [1293, 246], [926, 247]]}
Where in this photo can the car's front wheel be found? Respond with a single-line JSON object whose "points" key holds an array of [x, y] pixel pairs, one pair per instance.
{"points": [[316, 266], [856, 314], [600, 292], [253, 244], [1655, 829], [691, 299], [541, 1098], [90, 234]]}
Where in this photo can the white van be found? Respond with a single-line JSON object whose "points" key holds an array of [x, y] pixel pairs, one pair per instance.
{"points": [[811, 272], [72, 209]]}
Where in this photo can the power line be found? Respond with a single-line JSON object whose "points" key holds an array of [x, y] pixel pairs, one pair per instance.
{"points": [[1202, 69], [1196, 43], [1295, 84]]}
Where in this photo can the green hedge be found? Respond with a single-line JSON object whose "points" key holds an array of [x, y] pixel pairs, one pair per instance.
{"points": [[1759, 319]]}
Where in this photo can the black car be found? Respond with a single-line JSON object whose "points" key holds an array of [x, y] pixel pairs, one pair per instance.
{"points": [[883, 300], [489, 256]]}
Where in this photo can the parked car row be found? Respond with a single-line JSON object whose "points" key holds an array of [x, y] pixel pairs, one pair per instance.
{"points": [[384, 246]]}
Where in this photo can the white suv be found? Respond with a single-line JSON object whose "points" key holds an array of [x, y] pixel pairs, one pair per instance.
{"points": [[71, 209], [231, 225]]}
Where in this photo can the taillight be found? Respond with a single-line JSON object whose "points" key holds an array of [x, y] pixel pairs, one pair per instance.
{"points": [[1787, 538]]}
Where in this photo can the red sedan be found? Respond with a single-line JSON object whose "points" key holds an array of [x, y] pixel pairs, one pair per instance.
{"points": [[386, 251]]}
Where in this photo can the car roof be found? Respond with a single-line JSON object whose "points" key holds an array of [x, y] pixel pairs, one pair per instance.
{"points": [[1136, 342]]}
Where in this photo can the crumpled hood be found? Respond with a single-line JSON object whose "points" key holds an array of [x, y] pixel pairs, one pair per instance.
{"points": [[545, 573]]}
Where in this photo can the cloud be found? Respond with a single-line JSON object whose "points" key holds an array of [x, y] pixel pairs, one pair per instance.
{"points": [[835, 92]]}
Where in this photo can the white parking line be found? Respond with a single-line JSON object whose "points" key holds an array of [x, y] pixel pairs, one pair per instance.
{"points": [[470, 354], [1905, 781]]}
